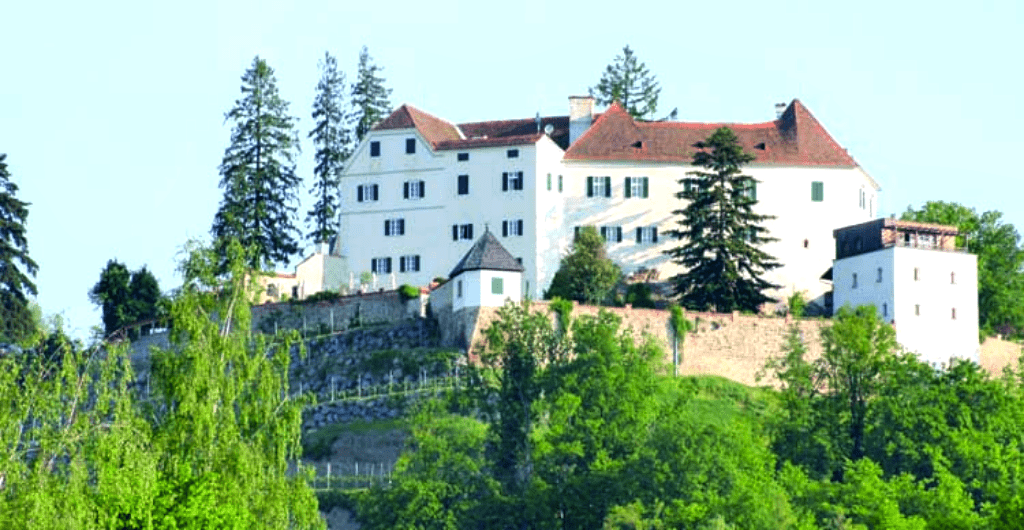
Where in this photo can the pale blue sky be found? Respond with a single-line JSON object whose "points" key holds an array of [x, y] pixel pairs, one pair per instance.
{"points": [[112, 113]]}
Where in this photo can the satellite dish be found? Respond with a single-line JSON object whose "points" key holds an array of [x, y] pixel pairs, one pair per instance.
{"points": [[548, 129]]}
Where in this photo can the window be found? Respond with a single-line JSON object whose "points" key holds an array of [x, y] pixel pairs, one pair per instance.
{"points": [[952, 278], [559, 183], [689, 187], [375, 148], [463, 157], [511, 180], [862, 201], [599, 186], [612, 234], [817, 191], [414, 189], [636, 187], [464, 231], [463, 184], [459, 289], [367, 193], [917, 310], [917, 274], [646, 234], [409, 263], [854, 280], [497, 286], [380, 265], [394, 227], [885, 309], [953, 315], [512, 153], [410, 146], [879, 279], [512, 227], [549, 181]]}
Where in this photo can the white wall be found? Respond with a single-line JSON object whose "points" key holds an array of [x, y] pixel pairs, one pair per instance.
{"points": [[476, 289], [921, 310]]}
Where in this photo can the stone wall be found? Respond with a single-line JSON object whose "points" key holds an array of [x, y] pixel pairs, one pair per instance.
{"points": [[339, 314], [726, 344]]}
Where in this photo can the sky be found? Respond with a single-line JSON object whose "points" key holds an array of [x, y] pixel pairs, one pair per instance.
{"points": [[112, 113]]}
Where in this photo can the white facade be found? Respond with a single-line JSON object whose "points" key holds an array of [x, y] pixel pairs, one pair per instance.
{"points": [[930, 296], [485, 288], [553, 201]]}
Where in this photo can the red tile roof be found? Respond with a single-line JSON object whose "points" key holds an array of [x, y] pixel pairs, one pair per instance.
{"points": [[433, 129], [796, 138]]}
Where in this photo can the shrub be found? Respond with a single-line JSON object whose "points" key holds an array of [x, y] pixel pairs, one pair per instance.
{"points": [[797, 304], [322, 296], [408, 292], [639, 294]]}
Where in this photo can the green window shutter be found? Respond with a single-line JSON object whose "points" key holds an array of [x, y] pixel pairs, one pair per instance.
{"points": [[629, 191], [607, 186], [549, 181], [497, 286], [559, 183], [590, 186], [817, 191], [645, 189]]}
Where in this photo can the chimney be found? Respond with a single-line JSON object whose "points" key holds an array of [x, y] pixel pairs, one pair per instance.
{"points": [[581, 115], [779, 109], [538, 121]]}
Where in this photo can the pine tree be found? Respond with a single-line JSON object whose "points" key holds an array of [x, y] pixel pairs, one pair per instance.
{"points": [[258, 173], [333, 146], [369, 97], [721, 233], [629, 82], [16, 322]]}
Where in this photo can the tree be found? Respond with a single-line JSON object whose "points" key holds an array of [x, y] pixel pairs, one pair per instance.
{"points": [[113, 296], [720, 253], [629, 82], [369, 97], [332, 142], [16, 322], [585, 274], [126, 298], [1000, 261], [258, 173]]}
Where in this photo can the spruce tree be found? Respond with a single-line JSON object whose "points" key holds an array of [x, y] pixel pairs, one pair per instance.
{"points": [[721, 233], [369, 97], [16, 322], [333, 146], [628, 81], [258, 173]]}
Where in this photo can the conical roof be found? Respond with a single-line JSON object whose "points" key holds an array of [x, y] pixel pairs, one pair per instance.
{"points": [[487, 253]]}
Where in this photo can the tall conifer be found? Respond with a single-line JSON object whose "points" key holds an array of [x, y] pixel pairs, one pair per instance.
{"points": [[333, 147], [369, 96], [258, 172], [629, 82], [16, 322], [721, 233]]}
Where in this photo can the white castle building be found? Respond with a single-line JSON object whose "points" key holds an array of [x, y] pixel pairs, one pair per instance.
{"points": [[419, 190], [917, 279]]}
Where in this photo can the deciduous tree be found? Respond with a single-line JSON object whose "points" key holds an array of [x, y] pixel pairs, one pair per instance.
{"points": [[332, 141], [628, 81], [258, 173], [16, 322], [370, 102], [720, 253], [585, 274]]}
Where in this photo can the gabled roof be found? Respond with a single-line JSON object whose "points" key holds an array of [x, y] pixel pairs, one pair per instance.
{"points": [[487, 253], [796, 138], [434, 129]]}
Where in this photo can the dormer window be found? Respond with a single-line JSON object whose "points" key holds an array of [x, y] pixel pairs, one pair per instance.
{"points": [[410, 146], [374, 148]]}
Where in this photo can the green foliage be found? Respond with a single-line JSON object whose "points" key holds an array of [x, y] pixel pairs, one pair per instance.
{"points": [[16, 323], [721, 234], [333, 144], [679, 322], [562, 308], [628, 81], [258, 173], [366, 277], [797, 303], [322, 296], [639, 295], [370, 102], [1000, 261], [408, 292], [127, 297], [318, 444], [586, 274]]}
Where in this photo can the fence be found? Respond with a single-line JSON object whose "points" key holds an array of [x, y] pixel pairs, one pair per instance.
{"points": [[351, 475], [423, 385]]}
